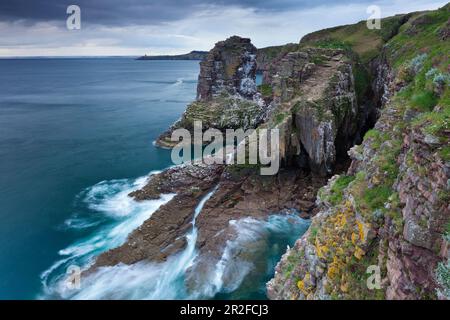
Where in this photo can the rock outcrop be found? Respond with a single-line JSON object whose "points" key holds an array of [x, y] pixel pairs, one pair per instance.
{"points": [[229, 67], [381, 231], [226, 92], [240, 193], [386, 214], [314, 104]]}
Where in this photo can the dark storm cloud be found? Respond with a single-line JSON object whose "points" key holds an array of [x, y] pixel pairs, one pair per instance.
{"points": [[135, 27], [137, 12]]}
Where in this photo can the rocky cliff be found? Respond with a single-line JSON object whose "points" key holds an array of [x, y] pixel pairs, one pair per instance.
{"points": [[226, 92], [391, 210], [314, 104], [365, 110]]}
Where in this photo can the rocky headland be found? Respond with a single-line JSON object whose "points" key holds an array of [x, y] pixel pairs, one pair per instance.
{"points": [[193, 55], [363, 118]]}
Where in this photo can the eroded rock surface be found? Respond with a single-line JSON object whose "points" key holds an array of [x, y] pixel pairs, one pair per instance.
{"points": [[226, 92], [240, 193], [390, 212], [314, 104]]}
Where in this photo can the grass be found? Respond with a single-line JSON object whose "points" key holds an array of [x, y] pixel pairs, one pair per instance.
{"points": [[334, 44], [275, 51], [357, 276], [279, 117], [376, 197], [313, 233], [424, 100], [265, 89], [337, 189], [356, 37], [444, 153], [376, 136]]}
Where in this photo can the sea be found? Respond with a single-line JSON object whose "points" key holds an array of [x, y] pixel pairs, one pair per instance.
{"points": [[76, 136]]}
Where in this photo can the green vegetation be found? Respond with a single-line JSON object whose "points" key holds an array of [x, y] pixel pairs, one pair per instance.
{"points": [[337, 189], [293, 260], [376, 197], [333, 44], [313, 233], [443, 278], [376, 136], [424, 100], [274, 51], [319, 60], [265, 89], [279, 117], [395, 213], [447, 232], [357, 37], [357, 279], [345, 237], [435, 122], [444, 153]]}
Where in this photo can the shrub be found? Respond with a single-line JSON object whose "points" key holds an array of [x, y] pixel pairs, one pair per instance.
{"points": [[279, 117], [443, 278], [416, 64], [425, 100], [440, 79]]}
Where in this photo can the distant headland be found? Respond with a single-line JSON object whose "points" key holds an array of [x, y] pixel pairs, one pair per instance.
{"points": [[193, 55]]}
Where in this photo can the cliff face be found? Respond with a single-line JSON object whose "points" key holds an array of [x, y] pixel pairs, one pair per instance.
{"points": [[266, 56], [391, 210], [314, 103], [229, 67]]}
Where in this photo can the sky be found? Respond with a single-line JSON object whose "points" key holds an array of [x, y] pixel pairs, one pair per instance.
{"points": [[138, 27]]}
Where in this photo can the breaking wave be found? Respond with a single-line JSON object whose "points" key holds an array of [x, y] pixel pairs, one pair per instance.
{"points": [[112, 215], [250, 258], [246, 263]]}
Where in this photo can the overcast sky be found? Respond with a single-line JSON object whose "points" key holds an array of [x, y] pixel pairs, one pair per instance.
{"points": [[137, 27]]}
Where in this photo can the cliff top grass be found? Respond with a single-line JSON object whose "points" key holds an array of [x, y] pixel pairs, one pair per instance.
{"points": [[274, 51], [357, 37]]}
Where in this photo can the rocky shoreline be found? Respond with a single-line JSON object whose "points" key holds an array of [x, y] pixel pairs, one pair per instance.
{"points": [[241, 193]]}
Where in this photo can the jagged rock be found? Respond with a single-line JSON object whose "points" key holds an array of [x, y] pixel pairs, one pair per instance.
{"points": [[230, 66], [314, 91], [163, 233], [265, 57], [241, 193], [226, 92], [394, 211]]}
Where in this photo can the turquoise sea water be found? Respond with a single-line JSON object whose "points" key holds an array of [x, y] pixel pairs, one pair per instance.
{"points": [[75, 137]]}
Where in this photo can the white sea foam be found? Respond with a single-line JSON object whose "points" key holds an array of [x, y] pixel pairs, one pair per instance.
{"points": [[142, 280], [109, 199], [178, 82], [231, 270], [166, 280]]}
